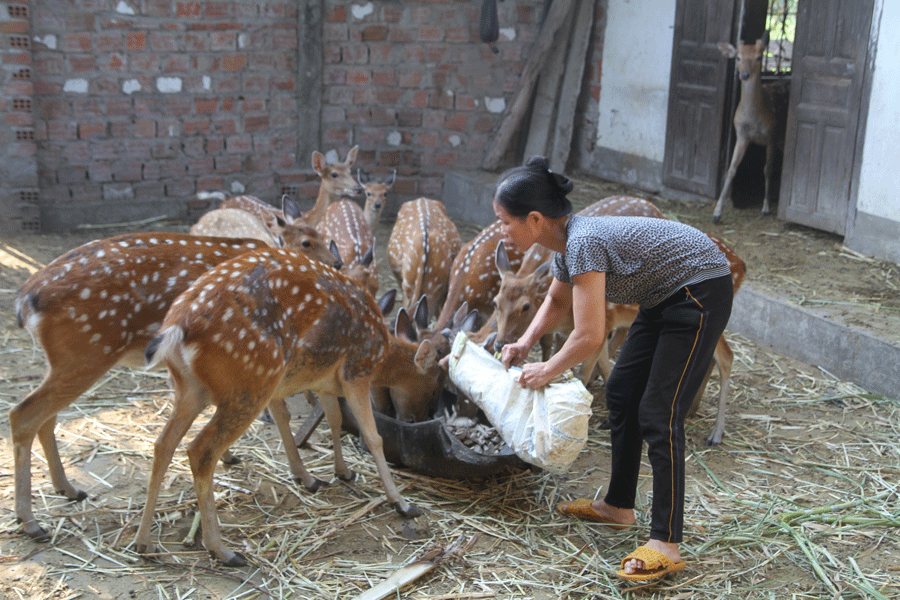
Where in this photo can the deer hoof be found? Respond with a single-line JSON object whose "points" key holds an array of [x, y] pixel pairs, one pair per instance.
{"points": [[350, 475], [235, 560], [314, 486], [717, 218], [712, 442], [79, 496], [230, 459], [410, 511], [37, 533], [145, 548]]}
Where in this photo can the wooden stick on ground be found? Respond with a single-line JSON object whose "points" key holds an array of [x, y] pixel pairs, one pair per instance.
{"points": [[415, 569]]}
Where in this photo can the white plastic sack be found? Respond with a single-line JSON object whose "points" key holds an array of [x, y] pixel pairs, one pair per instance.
{"points": [[545, 427]]}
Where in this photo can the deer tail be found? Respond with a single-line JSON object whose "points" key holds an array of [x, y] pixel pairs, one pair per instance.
{"points": [[166, 345]]}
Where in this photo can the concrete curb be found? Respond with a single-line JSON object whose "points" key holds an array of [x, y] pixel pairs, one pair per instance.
{"points": [[844, 351]]}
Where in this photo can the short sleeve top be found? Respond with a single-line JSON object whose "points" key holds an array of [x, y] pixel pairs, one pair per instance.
{"points": [[645, 259]]}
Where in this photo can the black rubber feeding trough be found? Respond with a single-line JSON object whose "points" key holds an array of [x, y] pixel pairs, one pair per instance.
{"points": [[429, 448]]}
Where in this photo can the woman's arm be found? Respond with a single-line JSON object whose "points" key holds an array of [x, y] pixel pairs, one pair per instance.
{"points": [[556, 304], [587, 301]]}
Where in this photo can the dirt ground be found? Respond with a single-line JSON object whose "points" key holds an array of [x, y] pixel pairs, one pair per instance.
{"points": [[801, 497]]}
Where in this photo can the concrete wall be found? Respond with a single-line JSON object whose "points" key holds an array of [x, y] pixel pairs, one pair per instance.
{"points": [[877, 226]]}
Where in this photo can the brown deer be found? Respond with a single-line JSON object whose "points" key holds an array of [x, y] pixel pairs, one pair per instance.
{"points": [[376, 196], [95, 307], [337, 181], [421, 249], [261, 327], [754, 118], [344, 225], [473, 275], [236, 223]]}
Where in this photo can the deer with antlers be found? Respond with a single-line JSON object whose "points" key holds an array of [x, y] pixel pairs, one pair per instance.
{"points": [[300, 326], [421, 249], [95, 307], [754, 118]]}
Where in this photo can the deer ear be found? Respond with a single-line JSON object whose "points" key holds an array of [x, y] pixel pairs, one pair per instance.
{"points": [[728, 50], [460, 313], [404, 328], [361, 176], [290, 209], [501, 258], [337, 254], [426, 356], [369, 256], [420, 314], [389, 182], [764, 40], [470, 322], [542, 270], [386, 302], [351, 156], [318, 162]]}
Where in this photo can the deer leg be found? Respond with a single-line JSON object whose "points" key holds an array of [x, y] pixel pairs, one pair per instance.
{"points": [[333, 416], [282, 419], [357, 394], [228, 423], [724, 360], [740, 147], [36, 415], [769, 173], [186, 407]]}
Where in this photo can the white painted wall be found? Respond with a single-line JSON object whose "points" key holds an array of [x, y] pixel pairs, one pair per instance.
{"points": [[878, 185], [637, 60]]}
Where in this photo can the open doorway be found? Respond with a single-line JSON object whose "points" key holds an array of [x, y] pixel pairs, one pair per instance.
{"points": [[779, 18]]}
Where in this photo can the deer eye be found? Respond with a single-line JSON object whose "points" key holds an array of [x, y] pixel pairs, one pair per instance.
{"points": [[334, 175], [306, 244], [526, 308]]}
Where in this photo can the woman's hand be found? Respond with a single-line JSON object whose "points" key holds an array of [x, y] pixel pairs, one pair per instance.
{"points": [[513, 354], [535, 375]]}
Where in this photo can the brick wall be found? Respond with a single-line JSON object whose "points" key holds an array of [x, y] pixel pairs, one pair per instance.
{"points": [[139, 104], [18, 150]]}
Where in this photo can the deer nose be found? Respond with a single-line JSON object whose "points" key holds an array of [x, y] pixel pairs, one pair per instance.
{"points": [[378, 205], [357, 190], [745, 75]]}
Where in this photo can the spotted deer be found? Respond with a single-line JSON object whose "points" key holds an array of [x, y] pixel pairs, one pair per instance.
{"points": [[337, 181], [95, 307], [258, 328], [754, 118], [345, 227], [376, 196], [236, 223], [421, 248], [276, 220], [473, 275]]}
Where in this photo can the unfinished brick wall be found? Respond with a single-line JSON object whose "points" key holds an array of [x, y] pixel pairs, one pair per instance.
{"points": [[139, 104]]}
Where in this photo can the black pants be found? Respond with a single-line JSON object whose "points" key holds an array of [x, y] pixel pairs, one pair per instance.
{"points": [[660, 368]]}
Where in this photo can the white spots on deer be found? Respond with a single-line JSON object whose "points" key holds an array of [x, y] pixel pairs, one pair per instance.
{"points": [[422, 246]]}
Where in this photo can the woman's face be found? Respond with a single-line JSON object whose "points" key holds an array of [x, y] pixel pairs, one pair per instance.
{"points": [[518, 232]]}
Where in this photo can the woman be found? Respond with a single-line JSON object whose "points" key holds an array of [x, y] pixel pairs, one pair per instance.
{"points": [[682, 283]]}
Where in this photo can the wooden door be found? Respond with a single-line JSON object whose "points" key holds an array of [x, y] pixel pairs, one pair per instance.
{"points": [[699, 91], [829, 66]]}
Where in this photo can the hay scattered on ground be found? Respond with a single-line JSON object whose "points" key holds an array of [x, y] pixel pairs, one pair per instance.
{"points": [[802, 496]]}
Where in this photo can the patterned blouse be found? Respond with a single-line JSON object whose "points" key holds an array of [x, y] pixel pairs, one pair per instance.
{"points": [[645, 260]]}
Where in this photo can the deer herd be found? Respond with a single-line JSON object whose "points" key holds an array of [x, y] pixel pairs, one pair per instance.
{"points": [[259, 303]]}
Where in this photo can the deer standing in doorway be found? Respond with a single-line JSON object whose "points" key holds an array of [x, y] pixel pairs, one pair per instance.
{"points": [[754, 119]]}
